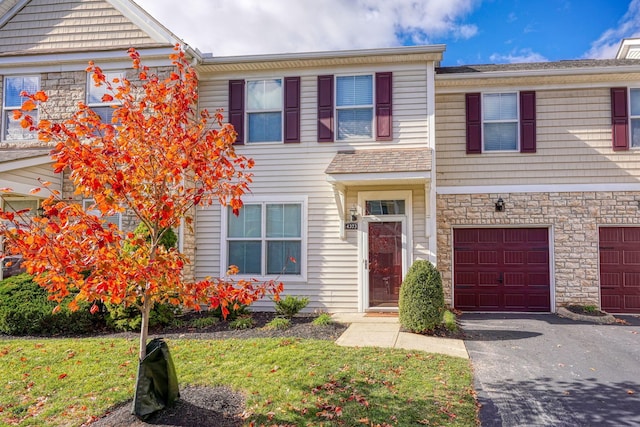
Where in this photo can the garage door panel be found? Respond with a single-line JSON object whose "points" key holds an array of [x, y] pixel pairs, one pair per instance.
{"points": [[512, 269], [466, 257], [620, 269]]}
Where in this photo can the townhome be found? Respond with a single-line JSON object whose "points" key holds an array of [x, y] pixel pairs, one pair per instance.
{"points": [[343, 195], [538, 172]]}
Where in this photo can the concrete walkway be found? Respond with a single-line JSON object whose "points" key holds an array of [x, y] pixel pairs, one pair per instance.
{"points": [[383, 331]]}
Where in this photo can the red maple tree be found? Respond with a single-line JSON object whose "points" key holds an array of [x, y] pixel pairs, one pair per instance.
{"points": [[158, 159]]}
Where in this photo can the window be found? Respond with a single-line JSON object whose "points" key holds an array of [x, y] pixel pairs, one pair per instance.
{"points": [[16, 204], [500, 121], [87, 205], [354, 107], [13, 86], [266, 239], [95, 93], [634, 118], [264, 110]]}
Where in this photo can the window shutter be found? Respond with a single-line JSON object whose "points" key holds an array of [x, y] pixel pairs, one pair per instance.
{"points": [[291, 109], [325, 108], [236, 108], [528, 122], [474, 123], [384, 123], [619, 119]]}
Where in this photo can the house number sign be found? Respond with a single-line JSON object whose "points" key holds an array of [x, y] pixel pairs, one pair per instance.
{"points": [[350, 225]]}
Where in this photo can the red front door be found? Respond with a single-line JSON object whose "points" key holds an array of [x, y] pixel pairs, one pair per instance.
{"points": [[385, 263], [501, 269]]}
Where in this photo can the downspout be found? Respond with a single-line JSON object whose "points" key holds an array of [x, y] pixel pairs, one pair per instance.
{"points": [[431, 117]]}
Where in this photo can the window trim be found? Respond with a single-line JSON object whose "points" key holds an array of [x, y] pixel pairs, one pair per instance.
{"points": [[95, 106], [336, 108], [87, 203], [6, 109], [632, 117], [247, 111], [267, 200], [517, 121]]}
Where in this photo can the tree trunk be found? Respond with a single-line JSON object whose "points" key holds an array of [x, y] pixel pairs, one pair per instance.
{"points": [[144, 329]]}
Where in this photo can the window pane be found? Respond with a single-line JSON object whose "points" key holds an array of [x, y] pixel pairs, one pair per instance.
{"points": [[385, 207], [635, 102], [246, 255], [14, 131], [94, 94], [500, 136], [15, 85], [500, 106], [105, 113], [355, 123], [247, 223], [284, 220], [279, 255], [354, 90], [635, 132], [265, 127], [264, 94]]}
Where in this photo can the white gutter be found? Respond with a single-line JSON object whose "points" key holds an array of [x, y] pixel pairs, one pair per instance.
{"points": [[541, 73]]}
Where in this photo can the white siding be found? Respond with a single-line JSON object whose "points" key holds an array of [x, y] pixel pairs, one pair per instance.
{"points": [[298, 169], [23, 180]]}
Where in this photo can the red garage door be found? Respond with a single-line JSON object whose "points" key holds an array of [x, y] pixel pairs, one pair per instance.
{"points": [[620, 269], [501, 269]]}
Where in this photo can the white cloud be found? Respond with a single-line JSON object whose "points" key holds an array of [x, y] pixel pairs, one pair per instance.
{"points": [[607, 45], [242, 27], [519, 56]]}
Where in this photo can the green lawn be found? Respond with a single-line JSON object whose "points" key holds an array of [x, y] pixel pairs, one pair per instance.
{"points": [[64, 382]]}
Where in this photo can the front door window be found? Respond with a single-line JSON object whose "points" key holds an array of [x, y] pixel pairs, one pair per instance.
{"points": [[385, 263]]}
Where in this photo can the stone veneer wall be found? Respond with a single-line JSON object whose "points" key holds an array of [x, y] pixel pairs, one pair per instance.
{"points": [[573, 217]]}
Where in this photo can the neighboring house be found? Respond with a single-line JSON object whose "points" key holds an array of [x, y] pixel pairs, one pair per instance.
{"points": [[521, 181], [46, 46], [538, 171], [343, 147]]}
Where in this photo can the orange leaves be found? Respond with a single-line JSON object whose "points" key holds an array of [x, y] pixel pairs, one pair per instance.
{"points": [[29, 105], [107, 98]]}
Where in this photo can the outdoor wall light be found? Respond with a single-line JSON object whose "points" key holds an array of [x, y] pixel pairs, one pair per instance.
{"points": [[354, 213], [500, 205]]}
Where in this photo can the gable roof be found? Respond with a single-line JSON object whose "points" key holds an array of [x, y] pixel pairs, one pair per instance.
{"points": [[30, 27]]}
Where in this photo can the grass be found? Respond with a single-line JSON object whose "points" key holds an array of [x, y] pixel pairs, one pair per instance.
{"points": [[65, 382], [449, 321]]}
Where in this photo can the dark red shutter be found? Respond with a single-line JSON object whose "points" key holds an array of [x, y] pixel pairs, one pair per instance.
{"points": [[619, 119], [528, 122], [474, 123], [236, 108], [325, 108], [384, 122], [291, 109]]}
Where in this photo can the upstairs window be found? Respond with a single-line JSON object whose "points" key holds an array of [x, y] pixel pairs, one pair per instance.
{"points": [[89, 206], [264, 110], [500, 121], [13, 87], [95, 94], [354, 107], [634, 117]]}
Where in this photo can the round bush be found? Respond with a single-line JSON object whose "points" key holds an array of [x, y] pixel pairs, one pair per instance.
{"points": [[421, 302], [129, 318], [26, 310]]}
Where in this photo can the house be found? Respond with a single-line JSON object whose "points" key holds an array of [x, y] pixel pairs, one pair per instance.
{"points": [[343, 146], [521, 181], [46, 46], [538, 191]]}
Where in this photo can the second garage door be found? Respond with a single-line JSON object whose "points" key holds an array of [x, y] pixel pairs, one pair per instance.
{"points": [[501, 269], [620, 269]]}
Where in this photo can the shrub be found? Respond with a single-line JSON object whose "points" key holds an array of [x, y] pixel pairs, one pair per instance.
{"points": [[421, 302], [168, 238], [26, 310], [234, 313], [449, 321], [242, 322], [129, 318], [204, 322], [289, 306], [323, 319], [279, 323]]}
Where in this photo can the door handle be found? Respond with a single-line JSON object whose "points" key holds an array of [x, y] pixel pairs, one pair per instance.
{"points": [[501, 278]]}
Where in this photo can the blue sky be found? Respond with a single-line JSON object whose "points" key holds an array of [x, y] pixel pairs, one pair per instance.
{"points": [[475, 31]]}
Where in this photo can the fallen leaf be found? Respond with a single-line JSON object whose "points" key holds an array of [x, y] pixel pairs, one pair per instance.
{"points": [[62, 376]]}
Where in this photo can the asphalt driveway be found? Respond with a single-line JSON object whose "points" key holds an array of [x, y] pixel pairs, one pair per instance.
{"points": [[543, 370]]}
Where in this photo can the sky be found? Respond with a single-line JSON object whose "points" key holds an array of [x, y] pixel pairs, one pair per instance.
{"points": [[474, 31]]}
